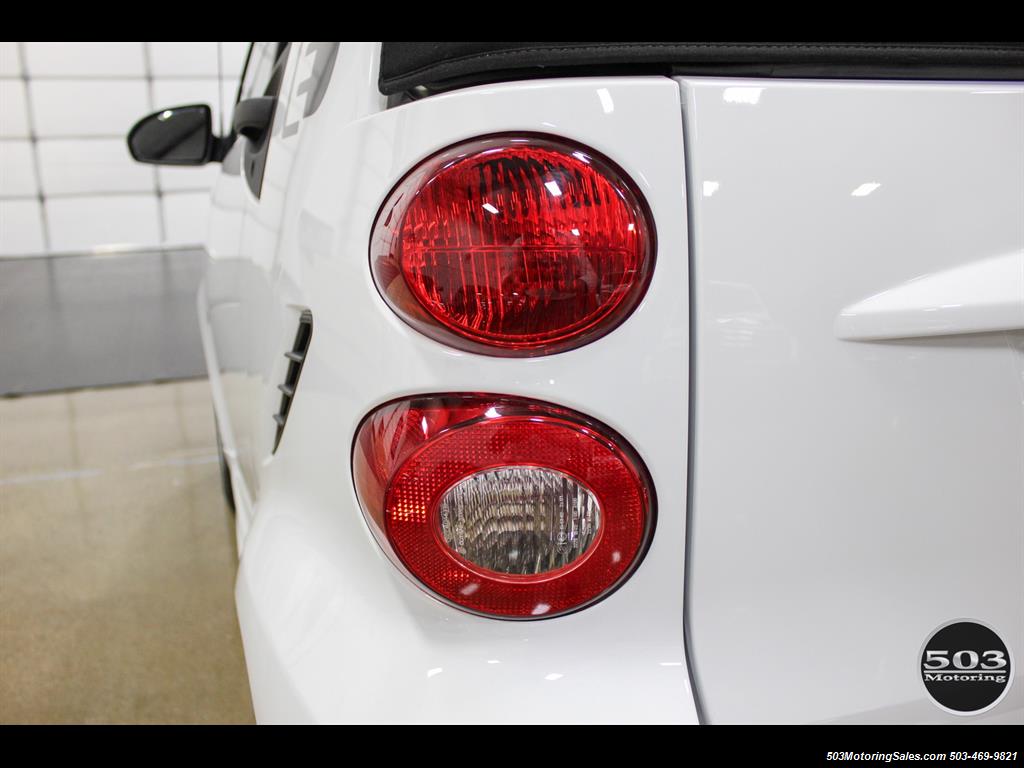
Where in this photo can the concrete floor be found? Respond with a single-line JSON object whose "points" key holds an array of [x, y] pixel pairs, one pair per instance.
{"points": [[117, 561]]}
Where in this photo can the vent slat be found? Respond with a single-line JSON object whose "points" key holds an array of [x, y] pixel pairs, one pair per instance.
{"points": [[297, 356]]}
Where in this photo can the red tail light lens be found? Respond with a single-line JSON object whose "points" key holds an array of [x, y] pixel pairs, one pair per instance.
{"points": [[513, 246], [506, 507]]}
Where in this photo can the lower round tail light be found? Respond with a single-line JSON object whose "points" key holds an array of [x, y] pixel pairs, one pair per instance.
{"points": [[503, 506]]}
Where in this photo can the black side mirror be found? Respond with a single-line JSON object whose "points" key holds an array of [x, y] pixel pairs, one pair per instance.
{"points": [[175, 136]]}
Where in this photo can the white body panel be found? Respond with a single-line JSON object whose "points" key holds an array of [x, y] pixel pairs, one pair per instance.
{"points": [[849, 497], [978, 297], [332, 630]]}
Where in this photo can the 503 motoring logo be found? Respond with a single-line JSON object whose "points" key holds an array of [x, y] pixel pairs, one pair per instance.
{"points": [[966, 667]]}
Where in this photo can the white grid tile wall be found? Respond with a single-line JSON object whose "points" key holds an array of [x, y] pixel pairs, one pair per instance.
{"points": [[67, 182]]}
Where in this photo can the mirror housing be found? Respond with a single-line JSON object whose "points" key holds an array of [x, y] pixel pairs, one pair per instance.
{"points": [[176, 136]]}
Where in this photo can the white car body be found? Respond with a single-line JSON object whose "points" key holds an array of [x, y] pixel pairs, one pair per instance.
{"points": [[839, 285]]}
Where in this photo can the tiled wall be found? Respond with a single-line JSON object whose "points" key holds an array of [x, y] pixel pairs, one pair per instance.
{"points": [[67, 182]]}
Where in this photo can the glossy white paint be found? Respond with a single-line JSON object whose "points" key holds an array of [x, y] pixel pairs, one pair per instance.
{"points": [[332, 630], [978, 297], [854, 488], [851, 497]]}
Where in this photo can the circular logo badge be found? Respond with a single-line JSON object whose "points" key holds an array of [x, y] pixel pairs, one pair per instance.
{"points": [[966, 668]]}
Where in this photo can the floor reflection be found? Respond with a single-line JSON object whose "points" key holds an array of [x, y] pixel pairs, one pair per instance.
{"points": [[117, 560]]}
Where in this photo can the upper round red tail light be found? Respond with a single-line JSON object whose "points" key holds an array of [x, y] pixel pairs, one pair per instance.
{"points": [[513, 245], [506, 507]]}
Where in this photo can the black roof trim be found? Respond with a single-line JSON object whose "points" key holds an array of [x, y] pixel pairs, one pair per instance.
{"points": [[440, 66]]}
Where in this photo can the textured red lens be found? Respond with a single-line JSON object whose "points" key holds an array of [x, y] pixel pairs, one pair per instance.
{"points": [[513, 245], [409, 454]]}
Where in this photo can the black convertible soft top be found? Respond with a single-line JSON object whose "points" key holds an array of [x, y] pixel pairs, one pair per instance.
{"points": [[407, 67]]}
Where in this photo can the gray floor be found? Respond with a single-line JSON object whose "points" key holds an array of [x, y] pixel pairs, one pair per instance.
{"points": [[117, 559], [96, 320]]}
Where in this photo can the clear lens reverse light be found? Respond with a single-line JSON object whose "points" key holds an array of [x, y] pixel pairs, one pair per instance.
{"points": [[522, 520]]}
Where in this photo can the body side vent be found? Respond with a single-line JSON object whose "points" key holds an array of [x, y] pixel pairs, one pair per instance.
{"points": [[296, 357]]}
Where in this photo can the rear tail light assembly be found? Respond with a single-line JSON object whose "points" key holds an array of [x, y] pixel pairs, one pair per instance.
{"points": [[514, 246], [503, 506]]}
